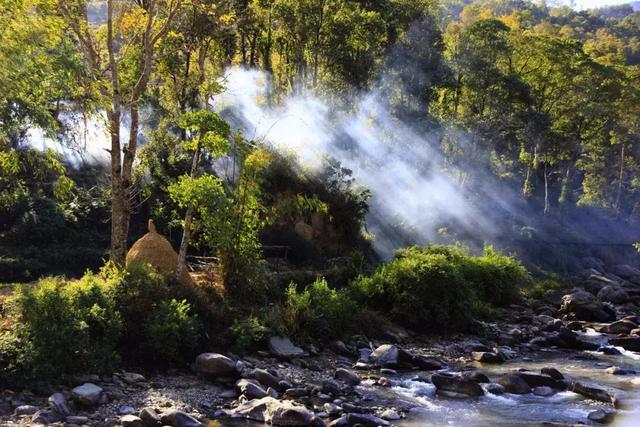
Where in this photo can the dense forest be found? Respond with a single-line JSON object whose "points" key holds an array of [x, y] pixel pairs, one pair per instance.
{"points": [[541, 101]]}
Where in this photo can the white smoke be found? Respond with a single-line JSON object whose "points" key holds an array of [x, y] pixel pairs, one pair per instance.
{"points": [[403, 169], [85, 140]]}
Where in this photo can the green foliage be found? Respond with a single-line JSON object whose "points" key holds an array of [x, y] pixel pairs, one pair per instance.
{"points": [[538, 290], [496, 278], [173, 334], [316, 312], [66, 327], [69, 327], [440, 288], [248, 334], [423, 289]]}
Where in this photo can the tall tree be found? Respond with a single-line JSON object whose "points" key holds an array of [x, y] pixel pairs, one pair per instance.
{"points": [[118, 63]]}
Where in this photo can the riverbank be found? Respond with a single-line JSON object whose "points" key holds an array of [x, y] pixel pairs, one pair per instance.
{"points": [[570, 357]]}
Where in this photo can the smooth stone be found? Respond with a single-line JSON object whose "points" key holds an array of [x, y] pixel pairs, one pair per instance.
{"points": [[216, 365], [283, 348], [347, 376], [131, 421], [59, 403], [87, 394]]}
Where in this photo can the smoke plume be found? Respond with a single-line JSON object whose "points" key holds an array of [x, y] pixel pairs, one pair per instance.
{"points": [[403, 169]]}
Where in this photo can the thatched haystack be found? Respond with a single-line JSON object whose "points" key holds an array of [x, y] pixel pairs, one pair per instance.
{"points": [[155, 249]]}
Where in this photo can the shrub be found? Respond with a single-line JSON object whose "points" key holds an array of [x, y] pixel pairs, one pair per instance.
{"points": [[421, 288], [248, 334], [172, 333], [497, 278], [441, 288], [317, 312], [68, 327], [540, 288]]}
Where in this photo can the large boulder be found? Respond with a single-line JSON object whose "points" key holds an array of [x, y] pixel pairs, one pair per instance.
{"points": [[266, 378], [216, 366], [273, 411], [456, 386], [347, 377], [613, 294], [514, 384], [625, 271], [591, 392], [631, 343], [87, 394], [385, 355], [179, 419], [419, 361], [582, 305], [539, 380], [250, 389], [283, 348], [619, 327]]}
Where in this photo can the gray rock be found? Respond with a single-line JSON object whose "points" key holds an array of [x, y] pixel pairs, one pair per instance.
{"points": [[631, 343], [544, 391], [275, 412], [619, 327], [59, 403], [216, 366], [367, 420], [331, 387], [266, 378], [131, 377], [582, 305], [552, 372], [126, 410], [514, 384], [600, 416], [46, 417], [390, 415], [131, 421], [487, 357], [150, 417], [625, 271], [250, 389], [26, 410], [332, 409], [477, 376], [591, 392], [538, 380], [77, 419], [347, 376], [385, 355], [339, 422], [616, 370], [87, 394], [283, 348], [494, 388], [296, 392], [456, 386], [179, 419], [613, 294]]}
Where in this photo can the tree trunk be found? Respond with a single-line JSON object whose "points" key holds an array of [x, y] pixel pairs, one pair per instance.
{"points": [[620, 178], [546, 190], [188, 219]]}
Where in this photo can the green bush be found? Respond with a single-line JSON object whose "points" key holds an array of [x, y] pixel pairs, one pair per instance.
{"points": [[497, 278], [421, 288], [68, 327], [248, 334], [540, 288], [60, 327], [172, 334], [317, 312], [441, 288]]}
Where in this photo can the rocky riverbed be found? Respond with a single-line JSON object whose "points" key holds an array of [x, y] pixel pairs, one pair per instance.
{"points": [[571, 358]]}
